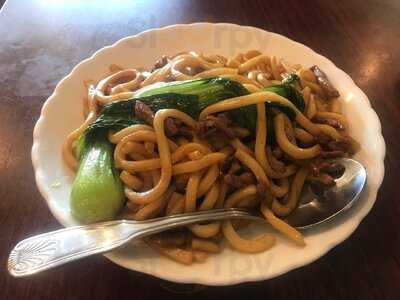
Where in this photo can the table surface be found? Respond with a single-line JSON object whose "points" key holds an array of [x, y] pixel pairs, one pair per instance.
{"points": [[41, 40]]}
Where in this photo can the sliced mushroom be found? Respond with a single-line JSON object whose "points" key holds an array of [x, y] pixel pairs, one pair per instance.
{"points": [[324, 82]]}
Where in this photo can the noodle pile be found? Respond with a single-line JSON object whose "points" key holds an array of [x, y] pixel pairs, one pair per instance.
{"points": [[166, 175]]}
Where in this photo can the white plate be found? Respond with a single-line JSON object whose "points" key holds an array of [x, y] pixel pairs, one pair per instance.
{"points": [[62, 112]]}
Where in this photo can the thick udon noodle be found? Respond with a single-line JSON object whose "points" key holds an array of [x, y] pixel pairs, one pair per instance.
{"points": [[151, 164]]}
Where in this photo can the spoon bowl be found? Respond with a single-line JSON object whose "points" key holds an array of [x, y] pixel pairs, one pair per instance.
{"points": [[315, 209]]}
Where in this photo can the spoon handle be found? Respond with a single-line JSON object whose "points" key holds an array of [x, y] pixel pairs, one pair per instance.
{"points": [[48, 250]]}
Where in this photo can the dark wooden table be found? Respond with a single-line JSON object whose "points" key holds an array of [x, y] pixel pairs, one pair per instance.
{"points": [[40, 42]]}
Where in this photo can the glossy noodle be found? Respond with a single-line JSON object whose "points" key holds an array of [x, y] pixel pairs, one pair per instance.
{"points": [[271, 130]]}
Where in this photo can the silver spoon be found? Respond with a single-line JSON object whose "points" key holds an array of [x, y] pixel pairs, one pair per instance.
{"points": [[48, 250]]}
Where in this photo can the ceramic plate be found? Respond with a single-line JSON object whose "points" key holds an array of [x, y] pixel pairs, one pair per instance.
{"points": [[62, 113]]}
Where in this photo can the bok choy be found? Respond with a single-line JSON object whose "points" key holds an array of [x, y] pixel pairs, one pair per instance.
{"points": [[97, 192]]}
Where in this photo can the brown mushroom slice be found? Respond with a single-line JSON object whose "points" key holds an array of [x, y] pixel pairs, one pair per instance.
{"points": [[324, 82]]}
